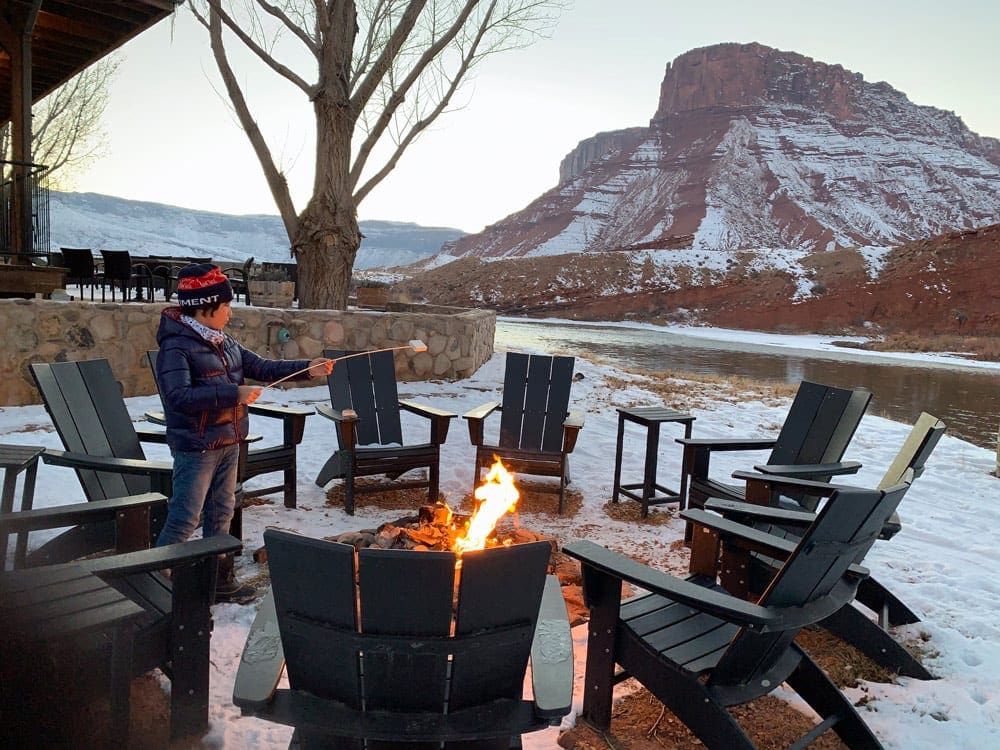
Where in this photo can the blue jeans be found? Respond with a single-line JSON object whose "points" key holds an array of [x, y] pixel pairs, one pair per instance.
{"points": [[204, 487]]}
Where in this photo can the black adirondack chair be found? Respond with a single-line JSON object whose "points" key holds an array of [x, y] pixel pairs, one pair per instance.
{"points": [[819, 425], [378, 647], [365, 404], [756, 570], [85, 403], [538, 430], [700, 649], [268, 459], [174, 631]]}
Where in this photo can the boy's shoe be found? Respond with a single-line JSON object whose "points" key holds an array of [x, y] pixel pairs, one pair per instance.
{"points": [[227, 588], [234, 591]]}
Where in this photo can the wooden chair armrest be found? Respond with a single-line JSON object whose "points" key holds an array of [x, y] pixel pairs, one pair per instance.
{"points": [[262, 660], [746, 513], [336, 415], [482, 411], [158, 437], [293, 420], [810, 470], [107, 463], [571, 429], [475, 417], [425, 410], [739, 534], [750, 539], [440, 419], [78, 513], [552, 655], [602, 561], [159, 558], [725, 444], [823, 489], [346, 421]]}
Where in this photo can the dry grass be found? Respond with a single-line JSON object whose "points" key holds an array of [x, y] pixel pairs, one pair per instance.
{"points": [[982, 348], [640, 722], [683, 391]]}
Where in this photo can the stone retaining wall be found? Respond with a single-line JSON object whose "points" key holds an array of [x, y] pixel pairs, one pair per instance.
{"points": [[458, 340]]}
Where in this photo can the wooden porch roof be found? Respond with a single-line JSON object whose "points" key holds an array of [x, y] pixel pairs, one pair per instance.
{"points": [[70, 35]]}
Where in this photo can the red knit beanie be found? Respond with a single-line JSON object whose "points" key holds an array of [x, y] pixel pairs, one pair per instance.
{"points": [[202, 284]]}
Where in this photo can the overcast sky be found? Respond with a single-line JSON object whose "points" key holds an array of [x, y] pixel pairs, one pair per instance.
{"points": [[171, 138]]}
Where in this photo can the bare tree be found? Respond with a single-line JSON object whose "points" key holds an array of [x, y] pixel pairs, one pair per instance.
{"points": [[384, 71], [66, 124]]}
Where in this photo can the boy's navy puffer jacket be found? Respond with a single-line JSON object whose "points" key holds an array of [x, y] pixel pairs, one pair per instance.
{"points": [[198, 382]]}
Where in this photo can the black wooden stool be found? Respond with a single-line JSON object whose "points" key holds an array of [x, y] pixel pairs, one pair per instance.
{"points": [[652, 493]]}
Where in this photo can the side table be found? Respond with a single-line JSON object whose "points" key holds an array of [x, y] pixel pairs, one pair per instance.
{"points": [[652, 493], [15, 459]]}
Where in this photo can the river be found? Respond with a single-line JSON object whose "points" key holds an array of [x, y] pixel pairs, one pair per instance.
{"points": [[967, 399]]}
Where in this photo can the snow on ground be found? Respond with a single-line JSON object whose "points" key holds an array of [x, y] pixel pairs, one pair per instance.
{"points": [[943, 564]]}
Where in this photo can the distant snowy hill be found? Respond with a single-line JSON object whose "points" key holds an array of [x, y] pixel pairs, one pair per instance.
{"points": [[106, 222]]}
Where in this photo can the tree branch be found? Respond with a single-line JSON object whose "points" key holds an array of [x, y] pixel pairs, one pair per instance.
{"points": [[392, 46], [311, 44], [284, 71], [398, 95], [275, 179], [422, 124]]}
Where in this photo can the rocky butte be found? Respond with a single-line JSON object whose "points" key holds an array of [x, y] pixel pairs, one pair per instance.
{"points": [[752, 147], [769, 191]]}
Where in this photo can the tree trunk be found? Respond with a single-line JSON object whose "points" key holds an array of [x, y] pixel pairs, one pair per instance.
{"points": [[327, 237], [325, 246]]}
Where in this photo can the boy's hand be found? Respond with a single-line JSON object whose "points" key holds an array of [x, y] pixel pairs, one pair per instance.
{"points": [[320, 367], [249, 393]]}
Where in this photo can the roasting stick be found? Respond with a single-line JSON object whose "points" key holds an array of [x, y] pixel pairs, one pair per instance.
{"points": [[415, 344]]}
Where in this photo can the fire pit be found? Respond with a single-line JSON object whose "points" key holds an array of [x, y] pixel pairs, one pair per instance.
{"points": [[494, 523], [437, 527]]}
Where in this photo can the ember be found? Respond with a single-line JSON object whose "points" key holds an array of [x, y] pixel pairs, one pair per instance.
{"points": [[436, 527]]}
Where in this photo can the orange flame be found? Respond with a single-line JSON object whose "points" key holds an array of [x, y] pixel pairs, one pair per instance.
{"points": [[497, 496]]}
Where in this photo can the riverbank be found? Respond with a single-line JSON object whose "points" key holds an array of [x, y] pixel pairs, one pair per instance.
{"points": [[960, 391], [940, 351]]}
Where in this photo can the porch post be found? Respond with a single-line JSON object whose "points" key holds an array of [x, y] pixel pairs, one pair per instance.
{"points": [[16, 26]]}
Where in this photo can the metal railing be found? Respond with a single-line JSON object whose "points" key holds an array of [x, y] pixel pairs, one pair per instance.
{"points": [[39, 209]]}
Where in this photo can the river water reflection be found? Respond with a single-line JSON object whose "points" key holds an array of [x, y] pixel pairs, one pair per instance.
{"points": [[967, 400]]}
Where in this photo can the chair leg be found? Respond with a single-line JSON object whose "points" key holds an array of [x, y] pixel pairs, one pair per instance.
{"points": [[885, 604], [825, 698], [349, 488], [852, 626], [434, 482], [190, 646], [291, 477]]}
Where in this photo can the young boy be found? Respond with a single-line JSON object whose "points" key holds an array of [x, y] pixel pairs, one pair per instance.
{"points": [[200, 371]]}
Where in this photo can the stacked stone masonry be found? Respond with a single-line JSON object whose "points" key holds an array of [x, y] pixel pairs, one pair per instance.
{"points": [[458, 340]]}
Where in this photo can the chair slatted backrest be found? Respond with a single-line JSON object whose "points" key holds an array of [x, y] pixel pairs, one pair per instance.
{"points": [[535, 401], [820, 424], [117, 264], [343, 614], [917, 448], [79, 262], [367, 384], [86, 406], [844, 531]]}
